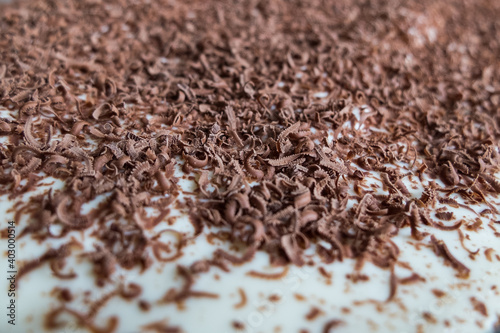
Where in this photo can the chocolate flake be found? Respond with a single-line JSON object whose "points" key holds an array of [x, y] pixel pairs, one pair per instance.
{"points": [[441, 250], [479, 306], [331, 325], [268, 276], [313, 313], [161, 327], [243, 300]]}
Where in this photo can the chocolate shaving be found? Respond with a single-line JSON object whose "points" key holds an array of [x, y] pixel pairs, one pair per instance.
{"points": [[51, 254], [441, 250], [161, 327], [56, 267], [84, 320], [414, 222], [479, 306], [462, 238], [413, 278], [313, 313], [159, 247], [268, 276], [243, 300], [185, 291], [393, 285], [446, 216], [438, 293], [331, 325], [488, 254]]}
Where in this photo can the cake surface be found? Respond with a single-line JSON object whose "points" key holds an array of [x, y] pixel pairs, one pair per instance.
{"points": [[250, 166]]}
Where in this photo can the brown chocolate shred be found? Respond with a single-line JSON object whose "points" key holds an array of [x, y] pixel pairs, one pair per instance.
{"points": [[186, 291], [238, 325], [144, 305], [441, 250], [429, 317], [110, 97], [63, 294], [393, 285], [488, 254], [331, 325], [413, 278], [438, 293], [462, 242], [445, 216], [314, 313], [84, 320], [243, 299], [479, 306], [274, 298], [55, 256], [324, 272], [161, 327], [268, 276]]}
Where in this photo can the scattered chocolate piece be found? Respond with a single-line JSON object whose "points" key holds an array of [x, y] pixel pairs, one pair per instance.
{"points": [[441, 250], [313, 313], [238, 325], [438, 293], [462, 239], [322, 271], [446, 216], [413, 278], [393, 285], [161, 327], [268, 276], [243, 299], [185, 291], [274, 298], [331, 325], [85, 320], [144, 305], [479, 306], [429, 317], [488, 254]]}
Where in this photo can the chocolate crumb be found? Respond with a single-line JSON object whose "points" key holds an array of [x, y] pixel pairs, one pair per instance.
{"points": [[479, 306], [413, 278], [313, 313], [268, 276], [144, 305], [238, 325], [441, 249], [346, 310], [324, 273], [446, 216], [331, 325], [429, 317], [243, 299], [274, 298], [488, 254], [438, 293], [161, 327]]}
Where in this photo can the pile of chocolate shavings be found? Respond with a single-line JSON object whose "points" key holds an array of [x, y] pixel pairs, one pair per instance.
{"points": [[109, 96]]}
